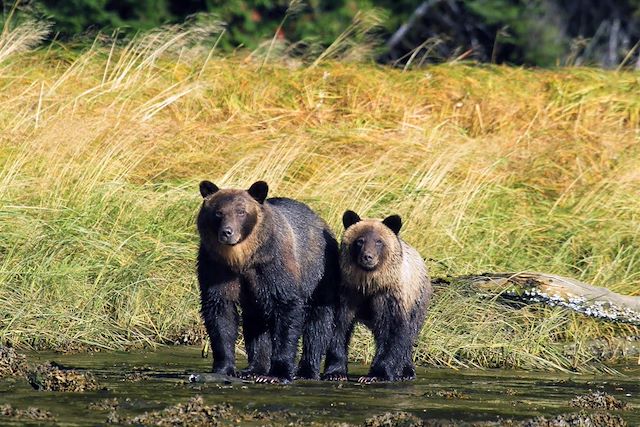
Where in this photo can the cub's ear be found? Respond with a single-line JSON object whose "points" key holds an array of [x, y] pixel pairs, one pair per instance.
{"points": [[207, 188], [259, 191], [394, 222], [349, 218]]}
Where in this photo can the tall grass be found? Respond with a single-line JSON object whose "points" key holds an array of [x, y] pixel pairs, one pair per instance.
{"points": [[492, 168]]}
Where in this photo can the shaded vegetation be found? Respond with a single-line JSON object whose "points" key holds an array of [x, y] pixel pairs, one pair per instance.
{"points": [[538, 32]]}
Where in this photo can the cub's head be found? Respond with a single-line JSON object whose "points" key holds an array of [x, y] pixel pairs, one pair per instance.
{"points": [[228, 217], [370, 243]]}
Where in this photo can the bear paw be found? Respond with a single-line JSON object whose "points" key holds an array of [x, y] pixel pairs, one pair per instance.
{"points": [[408, 373], [306, 374]]}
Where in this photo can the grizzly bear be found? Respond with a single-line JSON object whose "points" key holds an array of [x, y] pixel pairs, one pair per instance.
{"points": [[385, 285], [277, 260]]}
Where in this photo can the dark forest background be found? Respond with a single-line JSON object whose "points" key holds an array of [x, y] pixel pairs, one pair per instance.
{"points": [[533, 32]]}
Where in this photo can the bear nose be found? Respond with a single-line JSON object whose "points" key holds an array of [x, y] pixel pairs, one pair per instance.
{"points": [[367, 257], [226, 232]]}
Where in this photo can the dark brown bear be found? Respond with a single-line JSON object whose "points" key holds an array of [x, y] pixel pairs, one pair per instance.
{"points": [[385, 285], [278, 261]]}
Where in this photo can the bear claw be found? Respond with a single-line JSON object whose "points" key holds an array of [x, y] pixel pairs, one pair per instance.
{"points": [[369, 380], [247, 375], [336, 377], [267, 379]]}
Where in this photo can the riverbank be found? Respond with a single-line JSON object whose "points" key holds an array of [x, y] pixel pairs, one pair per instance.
{"points": [[492, 168]]}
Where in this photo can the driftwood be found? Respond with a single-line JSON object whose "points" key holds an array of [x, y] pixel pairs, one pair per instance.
{"points": [[559, 291]]}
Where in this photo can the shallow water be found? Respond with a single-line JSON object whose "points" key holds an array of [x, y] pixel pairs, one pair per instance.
{"points": [[481, 395]]}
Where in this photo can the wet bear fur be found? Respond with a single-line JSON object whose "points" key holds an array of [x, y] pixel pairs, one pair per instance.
{"points": [[277, 260], [386, 286]]}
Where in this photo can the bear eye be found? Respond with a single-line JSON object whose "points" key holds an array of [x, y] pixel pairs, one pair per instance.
{"points": [[241, 212], [360, 242], [378, 242], [219, 214]]}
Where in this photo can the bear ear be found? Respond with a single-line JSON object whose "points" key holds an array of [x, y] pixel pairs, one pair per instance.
{"points": [[394, 222], [207, 188], [349, 218], [259, 191]]}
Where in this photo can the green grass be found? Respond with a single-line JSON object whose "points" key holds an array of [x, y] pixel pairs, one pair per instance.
{"points": [[492, 168]]}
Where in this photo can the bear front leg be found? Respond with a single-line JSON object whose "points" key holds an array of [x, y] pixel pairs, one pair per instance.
{"points": [[257, 343], [221, 321], [315, 339], [406, 369], [219, 294], [416, 321], [287, 328], [393, 337], [337, 352]]}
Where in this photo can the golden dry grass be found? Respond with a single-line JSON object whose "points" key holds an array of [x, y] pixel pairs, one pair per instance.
{"points": [[492, 168]]}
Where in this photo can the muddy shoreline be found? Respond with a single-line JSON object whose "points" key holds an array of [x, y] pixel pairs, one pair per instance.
{"points": [[153, 388]]}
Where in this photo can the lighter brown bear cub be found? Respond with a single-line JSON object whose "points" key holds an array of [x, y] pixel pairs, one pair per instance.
{"points": [[385, 285]]}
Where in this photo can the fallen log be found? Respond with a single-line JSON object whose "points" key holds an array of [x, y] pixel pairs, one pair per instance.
{"points": [[553, 290]]}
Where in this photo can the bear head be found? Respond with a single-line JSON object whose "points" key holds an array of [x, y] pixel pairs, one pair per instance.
{"points": [[229, 217], [370, 243]]}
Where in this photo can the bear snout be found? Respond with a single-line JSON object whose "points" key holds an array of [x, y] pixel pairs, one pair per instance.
{"points": [[228, 236], [368, 261]]}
